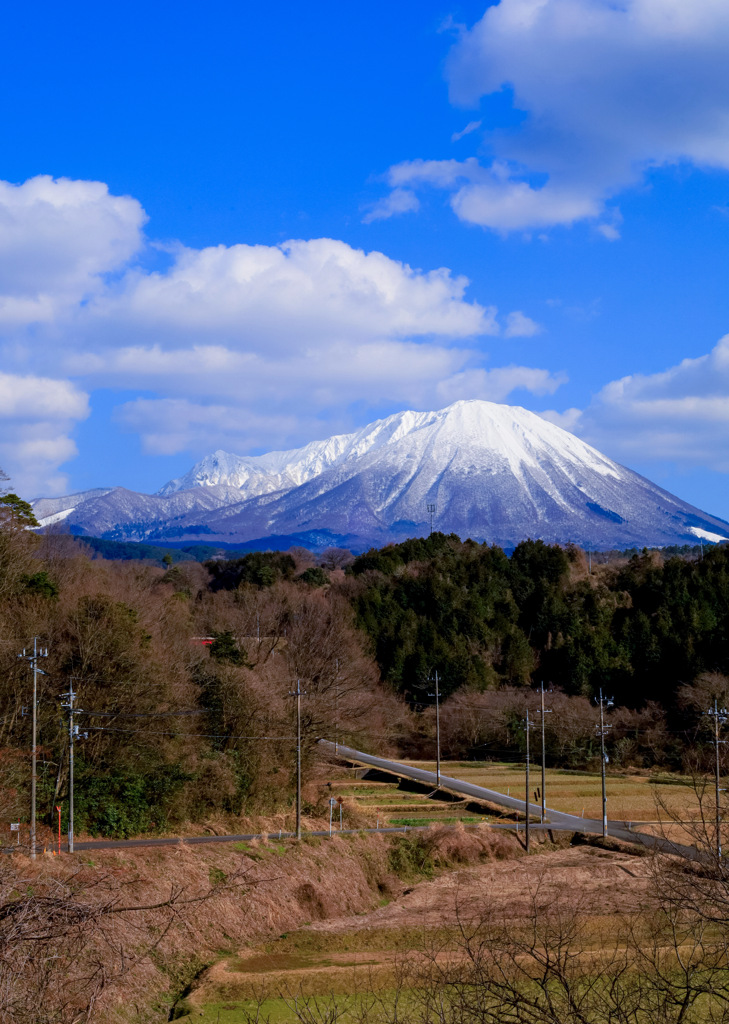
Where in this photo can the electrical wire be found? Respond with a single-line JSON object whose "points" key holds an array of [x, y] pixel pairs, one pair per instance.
{"points": [[150, 714], [193, 735]]}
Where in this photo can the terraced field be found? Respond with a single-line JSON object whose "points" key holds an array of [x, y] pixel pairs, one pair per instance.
{"points": [[639, 798], [407, 804], [347, 960]]}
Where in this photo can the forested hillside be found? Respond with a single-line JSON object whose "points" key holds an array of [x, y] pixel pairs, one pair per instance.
{"points": [[184, 672], [177, 730], [640, 628]]}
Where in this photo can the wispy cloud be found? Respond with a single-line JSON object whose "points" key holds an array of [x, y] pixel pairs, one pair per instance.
{"points": [[472, 126], [680, 415], [518, 325], [400, 200]]}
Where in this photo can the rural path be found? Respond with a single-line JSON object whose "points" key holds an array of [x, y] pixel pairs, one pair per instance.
{"points": [[558, 820]]}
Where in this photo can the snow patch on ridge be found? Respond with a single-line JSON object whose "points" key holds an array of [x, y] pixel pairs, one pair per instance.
{"points": [[705, 535], [56, 517]]}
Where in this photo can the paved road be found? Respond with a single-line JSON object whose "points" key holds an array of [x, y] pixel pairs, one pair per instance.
{"points": [[125, 844], [558, 820]]}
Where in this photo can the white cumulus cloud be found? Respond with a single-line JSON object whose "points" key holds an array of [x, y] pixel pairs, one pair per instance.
{"points": [[37, 415], [57, 240], [609, 90], [248, 345], [680, 415], [287, 295]]}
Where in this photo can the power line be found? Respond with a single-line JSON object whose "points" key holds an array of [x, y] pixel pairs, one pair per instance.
{"points": [[151, 714], [193, 735]]}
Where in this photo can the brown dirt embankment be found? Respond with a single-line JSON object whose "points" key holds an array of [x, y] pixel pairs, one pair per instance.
{"points": [[245, 893], [351, 953]]}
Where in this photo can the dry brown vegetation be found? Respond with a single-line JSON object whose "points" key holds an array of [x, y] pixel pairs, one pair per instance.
{"points": [[120, 937], [575, 936], [123, 634]]}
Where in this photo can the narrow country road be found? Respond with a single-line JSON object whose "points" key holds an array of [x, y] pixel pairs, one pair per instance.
{"points": [[558, 820]]}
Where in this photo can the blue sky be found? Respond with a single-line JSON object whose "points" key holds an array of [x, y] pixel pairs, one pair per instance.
{"points": [[228, 227]]}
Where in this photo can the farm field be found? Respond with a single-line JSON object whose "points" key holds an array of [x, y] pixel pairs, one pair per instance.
{"points": [[641, 799], [630, 797]]}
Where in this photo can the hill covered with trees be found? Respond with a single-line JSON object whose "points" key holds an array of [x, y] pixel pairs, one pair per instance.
{"points": [[184, 671]]}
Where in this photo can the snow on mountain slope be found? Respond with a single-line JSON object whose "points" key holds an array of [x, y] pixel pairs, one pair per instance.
{"points": [[120, 514], [277, 471], [46, 507], [494, 472]]}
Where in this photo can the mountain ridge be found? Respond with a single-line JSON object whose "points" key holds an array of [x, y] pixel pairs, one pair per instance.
{"points": [[494, 472]]}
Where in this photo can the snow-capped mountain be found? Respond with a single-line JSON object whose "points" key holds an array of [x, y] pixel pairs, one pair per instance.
{"points": [[493, 472]]}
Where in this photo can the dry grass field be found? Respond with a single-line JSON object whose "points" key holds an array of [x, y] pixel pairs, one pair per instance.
{"points": [[630, 797]]}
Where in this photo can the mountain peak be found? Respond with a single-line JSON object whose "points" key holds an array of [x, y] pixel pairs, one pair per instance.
{"points": [[494, 472]]}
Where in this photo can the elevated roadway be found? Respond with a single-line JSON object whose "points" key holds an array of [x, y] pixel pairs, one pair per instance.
{"points": [[558, 820]]}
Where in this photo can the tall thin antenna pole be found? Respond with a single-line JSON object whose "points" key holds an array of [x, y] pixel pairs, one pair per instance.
{"points": [[71, 736], [437, 729], [544, 711], [431, 512], [717, 779], [34, 756], [336, 711], [526, 809], [602, 729], [298, 759], [720, 716]]}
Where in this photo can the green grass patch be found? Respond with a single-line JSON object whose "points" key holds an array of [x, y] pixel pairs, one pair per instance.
{"points": [[279, 1011], [305, 943], [255, 853]]}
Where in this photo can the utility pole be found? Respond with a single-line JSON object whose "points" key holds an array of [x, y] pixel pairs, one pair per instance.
{"points": [[437, 729], [543, 711], [526, 810], [431, 512], [298, 693], [602, 729], [32, 659], [73, 732], [336, 710], [720, 716]]}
